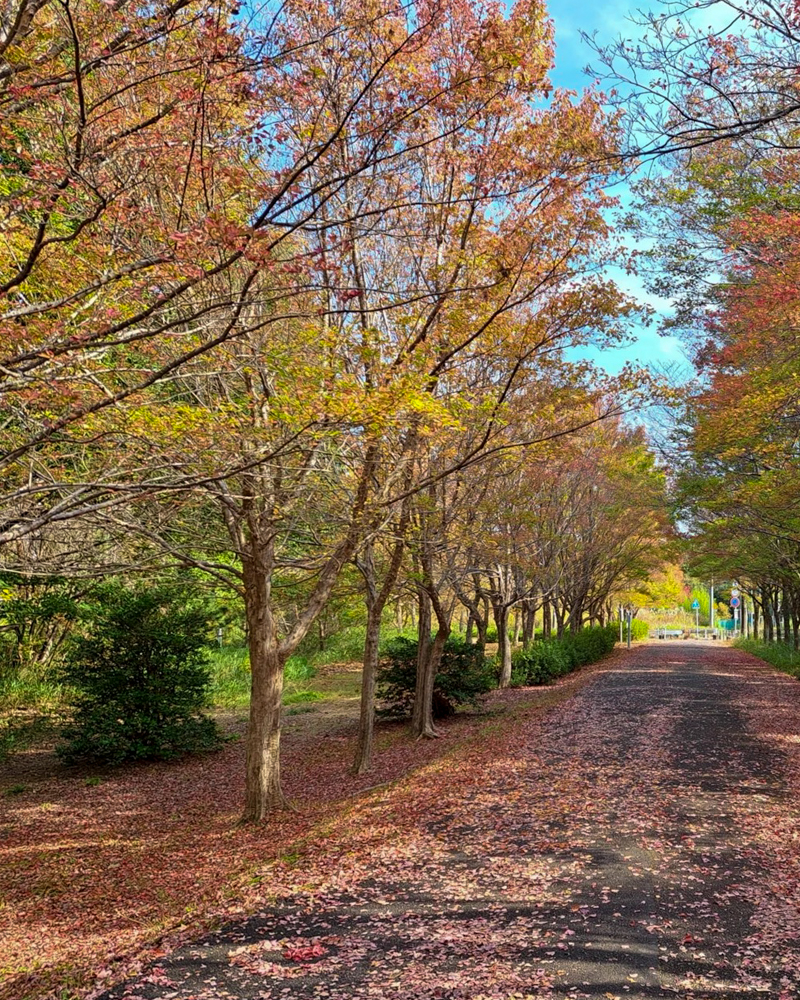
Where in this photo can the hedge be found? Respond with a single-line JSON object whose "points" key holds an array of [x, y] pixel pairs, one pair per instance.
{"points": [[548, 659]]}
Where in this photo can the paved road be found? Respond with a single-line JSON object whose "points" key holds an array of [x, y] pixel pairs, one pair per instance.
{"points": [[636, 842]]}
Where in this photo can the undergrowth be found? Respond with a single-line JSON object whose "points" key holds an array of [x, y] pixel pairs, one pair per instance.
{"points": [[785, 658]]}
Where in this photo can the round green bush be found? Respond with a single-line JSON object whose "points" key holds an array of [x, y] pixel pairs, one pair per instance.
{"points": [[140, 677], [464, 674]]}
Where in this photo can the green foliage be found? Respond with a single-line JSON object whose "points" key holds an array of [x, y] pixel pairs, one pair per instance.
{"points": [[548, 659], [639, 629], [464, 674], [785, 658], [703, 598], [298, 669], [140, 675], [36, 618], [492, 634]]}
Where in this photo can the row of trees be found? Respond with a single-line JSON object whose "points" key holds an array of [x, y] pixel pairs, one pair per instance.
{"points": [[290, 289], [723, 224]]}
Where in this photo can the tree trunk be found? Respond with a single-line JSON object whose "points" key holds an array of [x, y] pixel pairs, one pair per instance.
{"points": [[376, 601], [787, 616], [547, 620], [769, 624], [503, 644], [366, 721], [559, 617], [528, 623], [427, 665], [263, 793]]}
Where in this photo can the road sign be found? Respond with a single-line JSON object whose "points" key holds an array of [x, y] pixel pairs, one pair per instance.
{"points": [[695, 605], [735, 602], [734, 591]]}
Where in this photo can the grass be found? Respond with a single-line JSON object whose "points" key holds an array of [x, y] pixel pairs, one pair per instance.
{"points": [[230, 679], [293, 697], [29, 689], [785, 658]]}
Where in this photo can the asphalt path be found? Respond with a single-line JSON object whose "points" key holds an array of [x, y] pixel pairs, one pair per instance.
{"points": [[630, 843]]}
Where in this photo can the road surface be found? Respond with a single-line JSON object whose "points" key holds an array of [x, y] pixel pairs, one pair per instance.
{"points": [[637, 841]]}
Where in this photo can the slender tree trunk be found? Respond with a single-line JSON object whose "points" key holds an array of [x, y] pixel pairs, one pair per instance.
{"points": [[547, 620], [263, 773], [503, 644], [559, 616], [376, 602], [528, 618], [756, 608], [366, 721], [470, 628], [428, 658], [787, 617], [481, 625], [769, 624]]}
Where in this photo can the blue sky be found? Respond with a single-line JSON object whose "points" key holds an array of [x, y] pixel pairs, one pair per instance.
{"points": [[608, 19]]}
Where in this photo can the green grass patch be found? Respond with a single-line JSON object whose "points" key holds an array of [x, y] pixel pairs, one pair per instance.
{"points": [[31, 689], [229, 669], [295, 697], [785, 658], [230, 678]]}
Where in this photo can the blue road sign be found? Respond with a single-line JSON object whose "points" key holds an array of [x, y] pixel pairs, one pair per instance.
{"points": [[695, 605], [735, 602]]}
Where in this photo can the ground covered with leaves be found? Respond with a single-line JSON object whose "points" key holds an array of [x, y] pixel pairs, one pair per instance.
{"points": [[638, 838], [103, 870]]}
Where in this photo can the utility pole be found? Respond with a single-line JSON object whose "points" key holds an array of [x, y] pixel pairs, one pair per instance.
{"points": [[711, 606]]}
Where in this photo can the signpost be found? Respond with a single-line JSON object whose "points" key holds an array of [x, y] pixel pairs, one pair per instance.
{"points": [[735, 602], [696, 609]]}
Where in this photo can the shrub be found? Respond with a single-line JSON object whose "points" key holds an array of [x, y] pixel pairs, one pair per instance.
{"points": [[639, 629], [139, 670], [36, 617], [548, 659], [590, 644], [464, 674]]}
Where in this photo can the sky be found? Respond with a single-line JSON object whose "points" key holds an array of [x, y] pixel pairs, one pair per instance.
{"points": [[609, 19]]}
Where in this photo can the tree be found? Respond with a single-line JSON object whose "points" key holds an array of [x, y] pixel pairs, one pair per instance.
{"points": [[705, 73]]}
